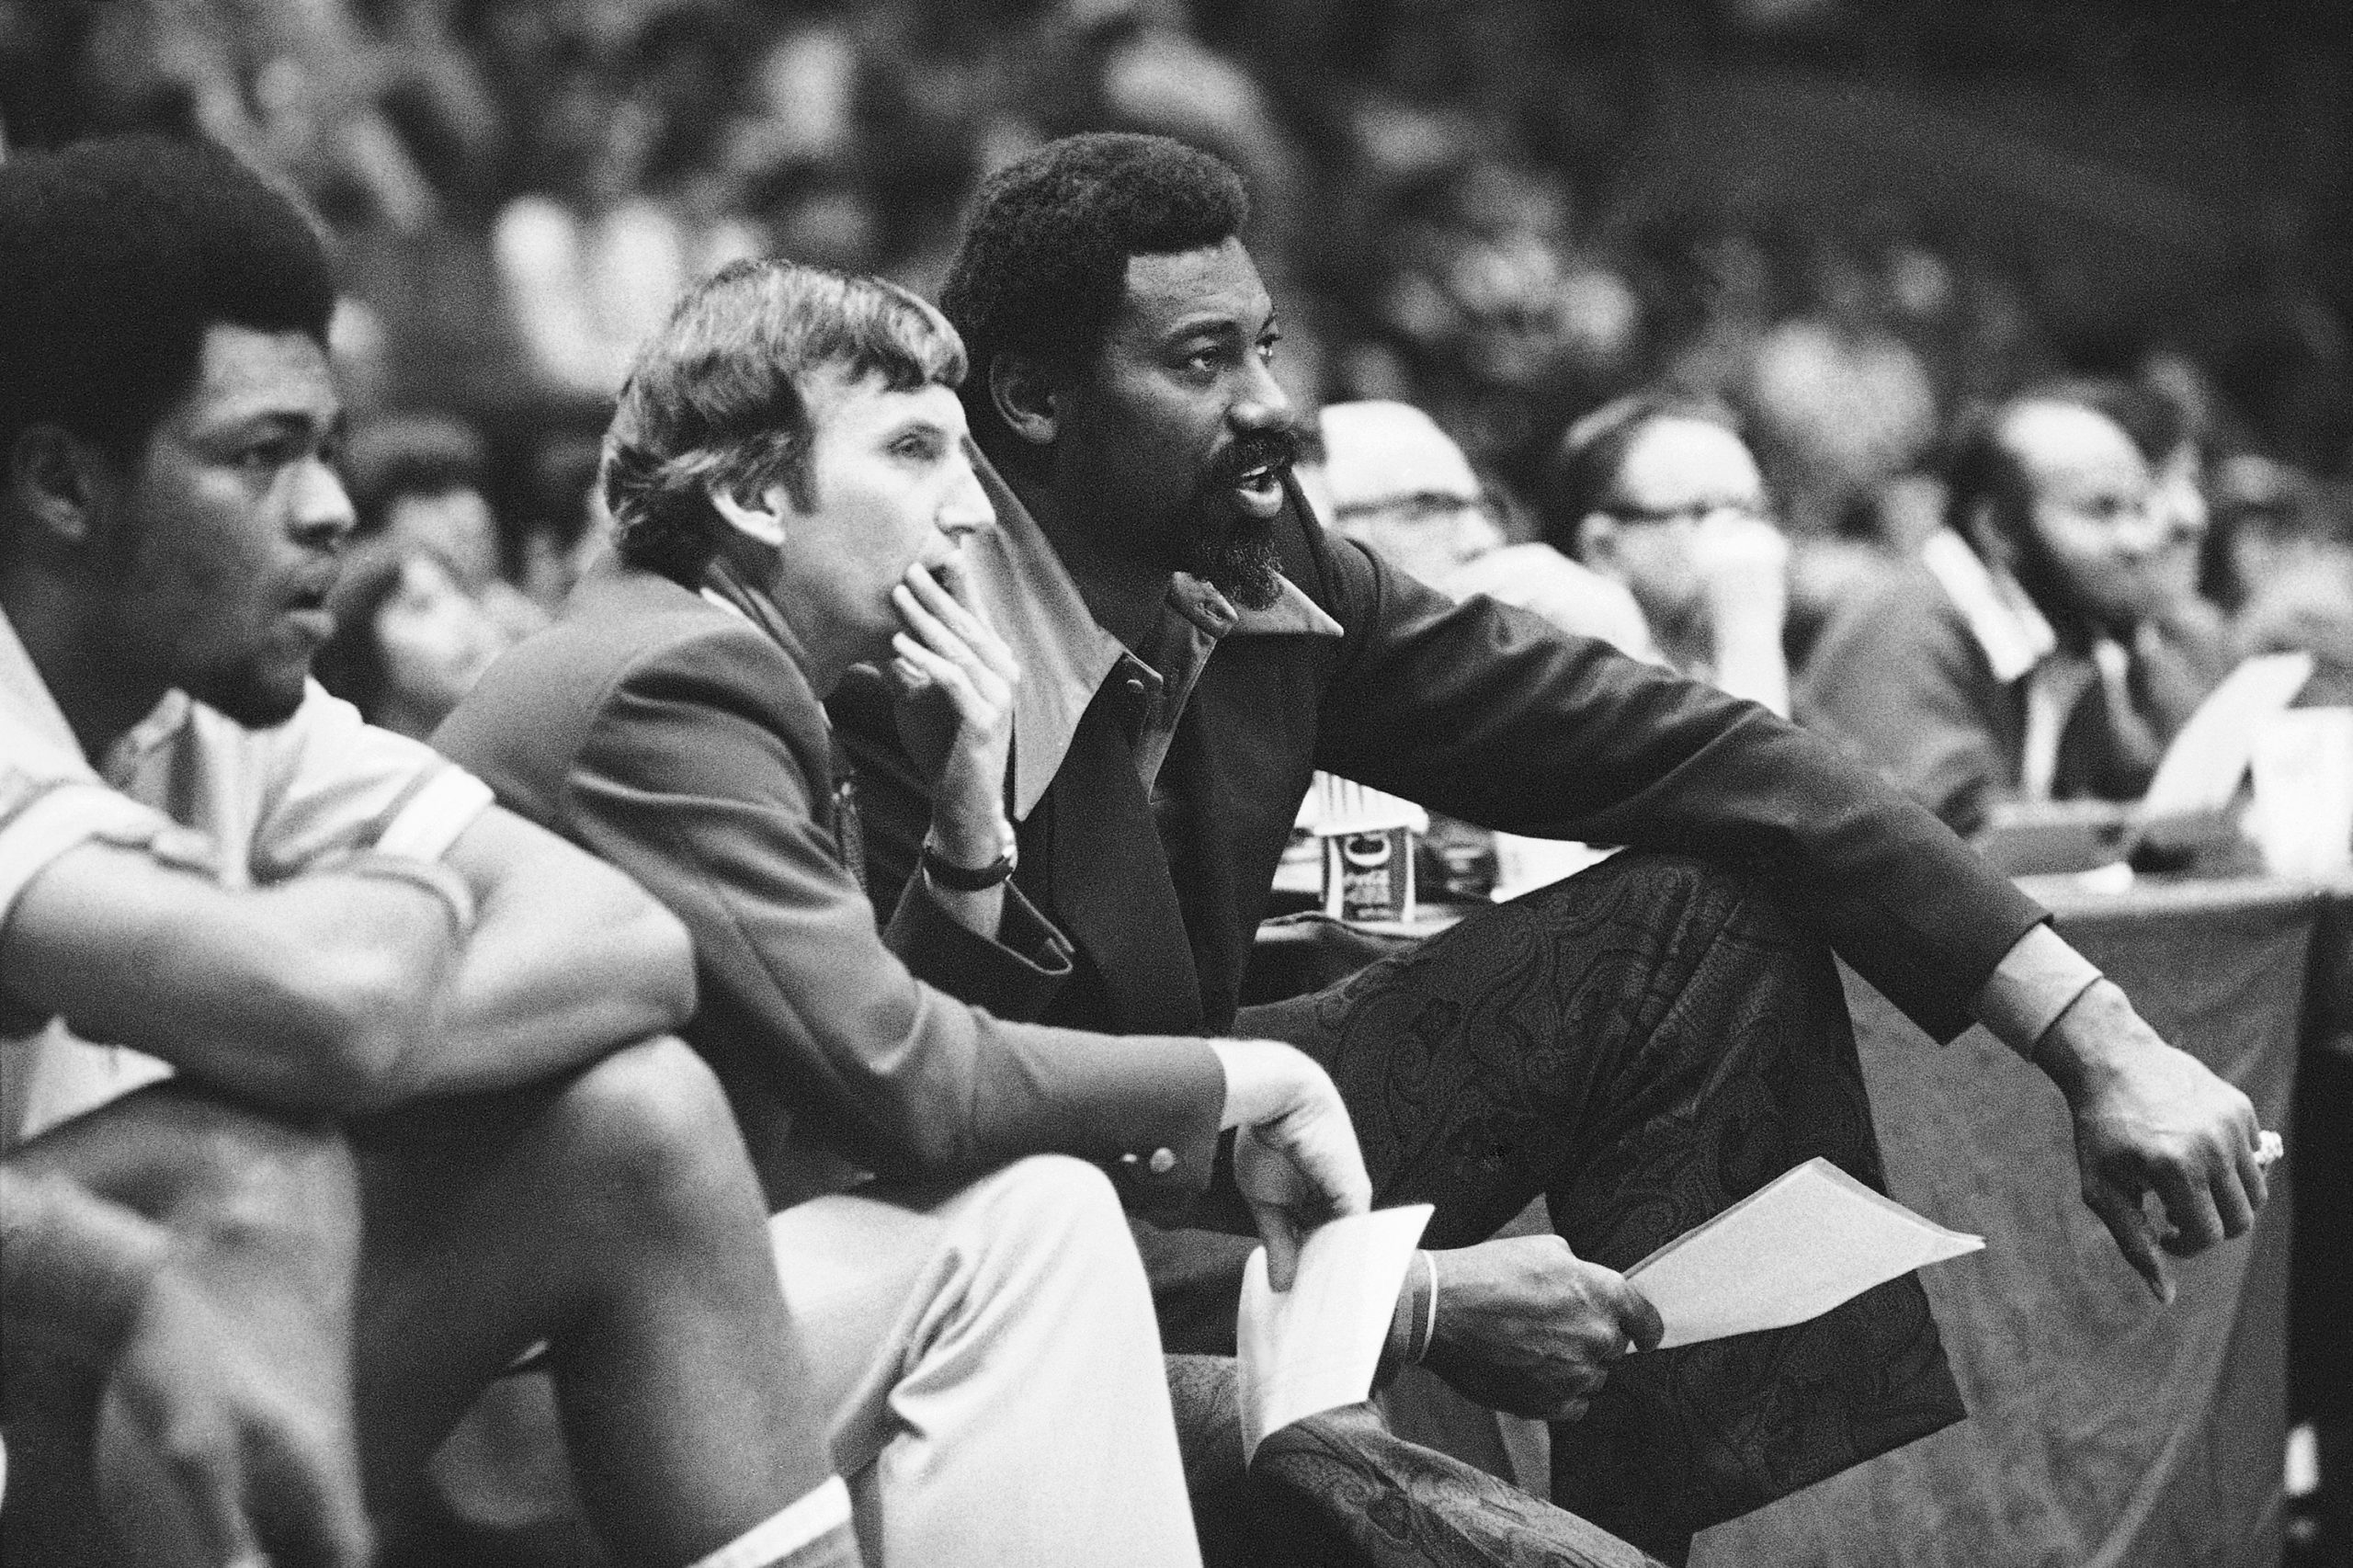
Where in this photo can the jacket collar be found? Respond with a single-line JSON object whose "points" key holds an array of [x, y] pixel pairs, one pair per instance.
{"points": [[2014, 635], [1064, 651]]}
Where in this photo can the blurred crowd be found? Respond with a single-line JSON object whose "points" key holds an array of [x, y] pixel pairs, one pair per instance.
{"points": [[1723, 435], [517, 189]]}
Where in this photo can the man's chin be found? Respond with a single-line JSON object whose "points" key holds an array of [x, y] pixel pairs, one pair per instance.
{"points": [[1252, 585], [257, 703], [1240, 563]]}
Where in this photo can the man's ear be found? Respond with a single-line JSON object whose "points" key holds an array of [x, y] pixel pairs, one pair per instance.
{"points": [[59, 482], [763, 520], [1024, 396]]}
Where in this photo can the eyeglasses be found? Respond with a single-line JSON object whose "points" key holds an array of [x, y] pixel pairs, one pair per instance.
{"points": [[1695, 512]]}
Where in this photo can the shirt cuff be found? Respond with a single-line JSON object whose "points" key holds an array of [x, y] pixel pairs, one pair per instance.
{"points": [[63, 817], [434, 815], [2036, 980]]}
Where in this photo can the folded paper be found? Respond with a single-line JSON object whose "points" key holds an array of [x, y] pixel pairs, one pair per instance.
{"points": [[1808, 1239], [1315, 1346]]}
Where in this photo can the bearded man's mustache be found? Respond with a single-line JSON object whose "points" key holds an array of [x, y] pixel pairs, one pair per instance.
{"points": [[1278, 448]]}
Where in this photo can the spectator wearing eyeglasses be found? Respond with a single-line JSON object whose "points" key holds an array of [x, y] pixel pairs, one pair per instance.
{"points": [[1658, 495], [1392, 479]]}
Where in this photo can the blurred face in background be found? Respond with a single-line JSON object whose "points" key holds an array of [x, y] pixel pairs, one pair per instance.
{"points": [[434, 640], [2273, 527], [1396, 481], [2098, 541], [1679, 477], [2177, 499], [454, 524]]}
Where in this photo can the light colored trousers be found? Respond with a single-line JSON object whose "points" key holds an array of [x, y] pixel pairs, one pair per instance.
{"points": [[991, 1358], [994, 1365]]}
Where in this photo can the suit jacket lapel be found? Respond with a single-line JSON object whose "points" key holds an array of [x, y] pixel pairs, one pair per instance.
{"points": [[1112, 892]]}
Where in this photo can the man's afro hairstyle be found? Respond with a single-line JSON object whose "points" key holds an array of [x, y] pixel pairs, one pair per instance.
{"points": [[116, 257], [1045, 261]]}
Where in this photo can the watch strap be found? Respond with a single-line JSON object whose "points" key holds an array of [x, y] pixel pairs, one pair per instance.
{"points": [[966, 879]]}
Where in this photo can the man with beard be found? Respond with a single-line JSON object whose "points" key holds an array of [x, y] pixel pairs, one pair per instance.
{"points": [[1642, 1044], [792, 491], [2010, 661], [418, 1117]]}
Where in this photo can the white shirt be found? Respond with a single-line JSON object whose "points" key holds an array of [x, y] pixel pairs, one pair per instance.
{"points": [[267, 803]]}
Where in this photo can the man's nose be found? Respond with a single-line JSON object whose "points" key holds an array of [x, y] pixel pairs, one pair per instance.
{"points": [[967, 509], [323, 517], [1263, 406]]}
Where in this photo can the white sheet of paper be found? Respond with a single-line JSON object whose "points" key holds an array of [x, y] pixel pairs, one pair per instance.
{"points": [[1314, 1346], [2202, 767], [1811, 1238]]}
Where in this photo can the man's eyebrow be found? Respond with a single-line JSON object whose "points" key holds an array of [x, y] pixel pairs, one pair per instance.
{"points": [[1219, 323], [917, 424], [278, 418]]}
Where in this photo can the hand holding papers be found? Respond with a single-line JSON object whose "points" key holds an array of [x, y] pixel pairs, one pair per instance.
{"points": [[1313, 1348], [1806, 1241]]}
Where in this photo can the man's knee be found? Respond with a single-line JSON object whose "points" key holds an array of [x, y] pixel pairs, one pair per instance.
{"points": [[1059, 1205], [654, 1141]]}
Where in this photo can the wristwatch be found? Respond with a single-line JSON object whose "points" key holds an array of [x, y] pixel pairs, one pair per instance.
{"points": [[969, 878]]}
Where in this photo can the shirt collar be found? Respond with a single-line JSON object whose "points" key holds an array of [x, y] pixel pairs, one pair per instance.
{"points": [[2013, 633], [1064, 651], [32, 714]]}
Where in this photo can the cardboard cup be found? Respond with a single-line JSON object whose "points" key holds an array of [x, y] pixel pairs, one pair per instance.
{"points": [[2303, 816]]}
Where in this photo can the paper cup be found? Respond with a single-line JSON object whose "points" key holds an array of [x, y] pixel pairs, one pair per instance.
{"points": [[2303, 816]]}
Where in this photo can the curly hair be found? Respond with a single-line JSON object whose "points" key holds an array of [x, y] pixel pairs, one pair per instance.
{"points": [[1043, 268], [116, 257], [714, 399]]}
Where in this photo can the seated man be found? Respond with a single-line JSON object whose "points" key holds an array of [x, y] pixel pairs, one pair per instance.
{"points": [[1642, 1044], [2018, 658], [420, 1120], [789, 473], [1659, 496]]}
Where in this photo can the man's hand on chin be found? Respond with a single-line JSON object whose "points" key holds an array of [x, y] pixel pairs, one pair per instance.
{"points": [[2152, 1118], [1528, 1328]]}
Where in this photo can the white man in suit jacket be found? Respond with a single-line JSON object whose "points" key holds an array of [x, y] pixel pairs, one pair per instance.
{"points": [[790, 474]]}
